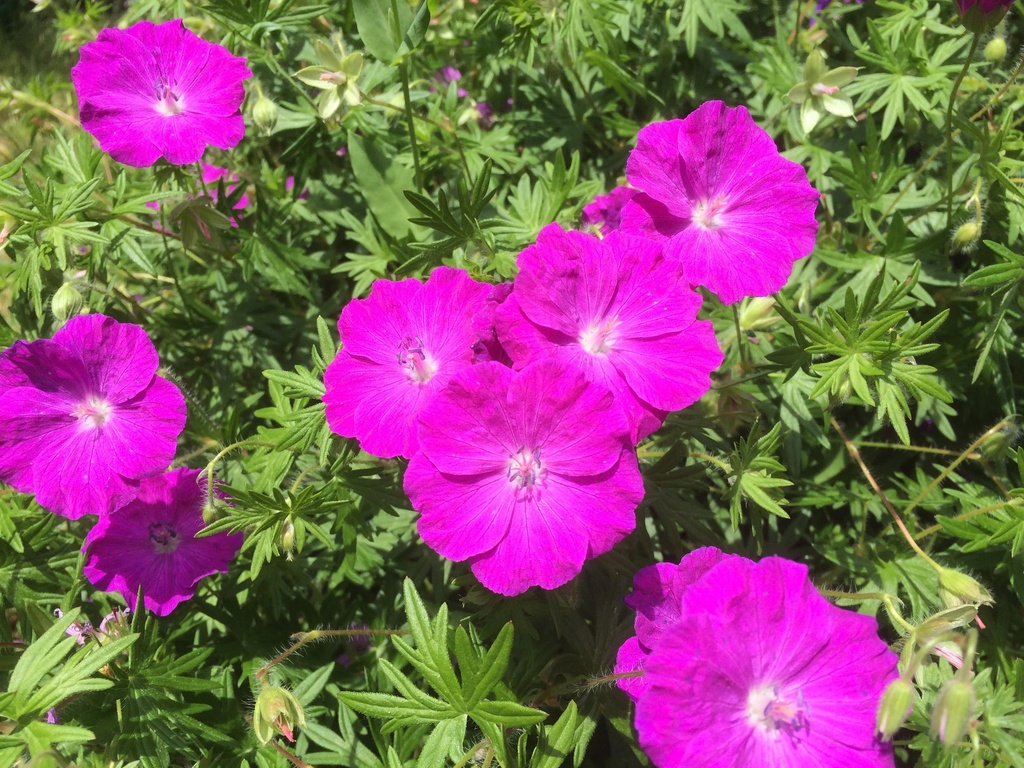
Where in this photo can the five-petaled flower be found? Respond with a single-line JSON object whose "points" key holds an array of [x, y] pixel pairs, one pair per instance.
{"points": [[151, 543], [85, 416], [400, 346], [728, 207], [752, 666], [525, 474], [158, 90]]}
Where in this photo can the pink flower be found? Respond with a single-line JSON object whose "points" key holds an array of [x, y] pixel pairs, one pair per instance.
{"points": [[151, 543], [401, 345], [85, 416], [157, 90], [732, 211], [657, 598], [980, 16], [526, 475], [619, 311], [761, 670], [606, 210]]}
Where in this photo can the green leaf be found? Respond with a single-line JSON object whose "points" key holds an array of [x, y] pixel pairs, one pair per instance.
{"points": [[382, 180], [556, 740]]}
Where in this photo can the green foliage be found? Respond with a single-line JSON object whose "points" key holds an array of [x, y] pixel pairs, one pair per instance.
{"points": [[883, 381]]}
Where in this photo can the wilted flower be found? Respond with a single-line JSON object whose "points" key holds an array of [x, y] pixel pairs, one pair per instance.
{"points": [[337, 76], [819, 91], [605, 210], [157, 90], [277, 711]]}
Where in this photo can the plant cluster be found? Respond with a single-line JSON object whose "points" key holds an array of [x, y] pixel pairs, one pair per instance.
{"points": [[671, 418]]}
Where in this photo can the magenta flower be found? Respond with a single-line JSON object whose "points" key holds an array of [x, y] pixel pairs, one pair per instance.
{"points": [[761, 670], [605, 211], [619, 311], [526, 475], [657, 598], [401, 345], [151, 543], [980, 16], [85, 416], [714, 189], [157, 90]]}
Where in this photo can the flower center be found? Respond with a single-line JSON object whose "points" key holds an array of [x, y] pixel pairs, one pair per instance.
{"points": [[710, 214], [164, 537], [599, 338], [169, 102], [418, 364], [526, 473], [772, 710], [93, 412]]}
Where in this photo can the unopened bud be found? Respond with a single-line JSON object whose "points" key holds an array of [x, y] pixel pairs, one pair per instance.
{"points": [[967, 234], [277, 712], [893, 709], [264, 114], [756, 314], [288, 538], [980, 16], [956, 589], [995, 50], [954, 708], [66, 303]]}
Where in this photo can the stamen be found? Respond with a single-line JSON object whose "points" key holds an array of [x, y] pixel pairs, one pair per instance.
{"points": [[164, 537]]}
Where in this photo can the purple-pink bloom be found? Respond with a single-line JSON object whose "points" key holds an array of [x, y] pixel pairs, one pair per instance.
{"points": [[761, 670], [657, 598], [152, 543], [728, 207], [525, 474], [401, 345], [158, 90], [619, 311], [606, 210], [981, 16], [85, 416]]}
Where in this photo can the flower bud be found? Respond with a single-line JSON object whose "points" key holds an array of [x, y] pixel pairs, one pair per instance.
{"points": [[66, 303], [757, 314], [980, 16], [954, 708], [893, 709], [277, 712], [995, 49], [264, 115], [967, 234], [956, 589], [288, 538]]}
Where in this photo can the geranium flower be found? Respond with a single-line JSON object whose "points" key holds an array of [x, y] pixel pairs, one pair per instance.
{"points": [[400, 345], [526, 475], [618, 310], [761, 670], [980, 16], [157, 90], [657, 598], [727, 206], [85, 416], [605, 210], [151, 543]]}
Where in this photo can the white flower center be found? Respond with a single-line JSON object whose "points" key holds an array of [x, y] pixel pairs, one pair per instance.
{"points": [[600, 338], [164, 537], [710, 214], [526, 473], [93, 412], [418, 364], [770, 710], [169, 102]]}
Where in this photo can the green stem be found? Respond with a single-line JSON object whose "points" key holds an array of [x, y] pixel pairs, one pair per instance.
{"points": [[954, 464], [210, 467], [403, 69], [949, 127], [744, 353]]}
